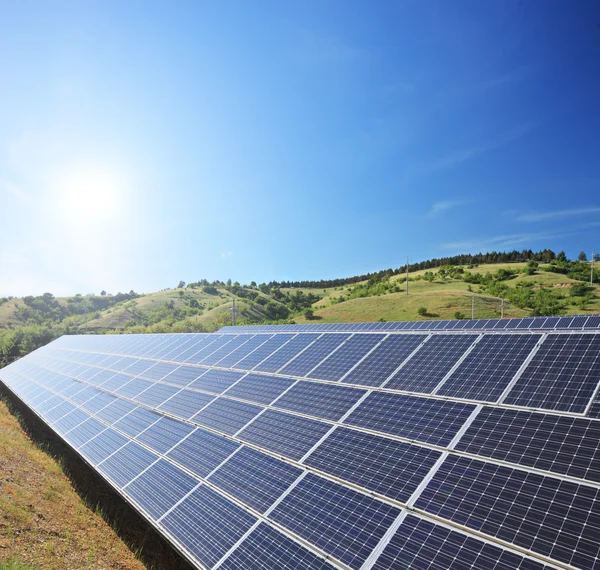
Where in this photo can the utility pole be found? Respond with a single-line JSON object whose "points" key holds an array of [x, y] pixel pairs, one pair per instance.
{"points": [[473, 306], [86, 313], [502, 309], [233, 311], [592, 271], [407, 274]]}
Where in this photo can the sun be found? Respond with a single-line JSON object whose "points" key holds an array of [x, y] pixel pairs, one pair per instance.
{"points": [[91, 196]]}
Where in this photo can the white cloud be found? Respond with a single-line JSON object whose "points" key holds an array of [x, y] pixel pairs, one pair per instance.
{"points": [[225, 254], [557, 214], [13, 190], [439, 208]]}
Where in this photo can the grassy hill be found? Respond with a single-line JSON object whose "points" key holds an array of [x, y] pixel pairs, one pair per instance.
{"points": [[443, 292]]}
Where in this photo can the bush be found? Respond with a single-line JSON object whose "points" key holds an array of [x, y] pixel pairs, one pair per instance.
{"points": [[458, 315], [422, 311], [309, 315]]}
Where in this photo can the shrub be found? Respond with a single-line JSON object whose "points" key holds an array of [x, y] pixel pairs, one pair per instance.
{"points": [[422, 311]]}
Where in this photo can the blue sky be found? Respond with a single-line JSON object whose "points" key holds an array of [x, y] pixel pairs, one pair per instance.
{"points": [[146, 142]]}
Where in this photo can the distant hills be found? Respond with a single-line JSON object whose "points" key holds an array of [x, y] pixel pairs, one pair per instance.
{"points": [[510, 283]]}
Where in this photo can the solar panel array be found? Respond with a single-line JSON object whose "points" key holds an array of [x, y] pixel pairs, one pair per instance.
{"points": [[312, 447]]}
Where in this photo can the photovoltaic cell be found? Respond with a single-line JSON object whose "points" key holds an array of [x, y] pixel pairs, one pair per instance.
{"points": [[391, 468], [320, 400], [251, 360], [266, 547], [127, 463], [313, 355], [489, 367], [254, 478], [274, 362], [358, 524], [425, 370], [419, 543], [563, 375], [552, 517], [423, 419], [345, 357], [186, 403], [244, 350], [260, 388], [160, 487], [227, 416], [559, 444], [202, 451], [233, 344], [184, 375], [216, 381], [290, 436], [165, 434], [207, 525], [103, 445], [380, 364]]}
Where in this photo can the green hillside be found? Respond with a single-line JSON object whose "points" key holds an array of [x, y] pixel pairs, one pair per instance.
{"points": [[444, 292]]}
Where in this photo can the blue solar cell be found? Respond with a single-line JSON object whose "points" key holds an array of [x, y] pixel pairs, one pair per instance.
{"points": [[115, 411], [156, 394], [548, 442], [138, 367], [83, 432], [186, 403], [216, 381], [320, 400], [159, 371], [136, 421], [260, 388], [350, 534], [127, 463], [258, 355], [424, 371], [227, 416], [282, 356], [165, 434], [290, 436], [207, 349], [69, 421], [563, 375], [391, 468], [265, 547], [345, 357], [314, 354], [423, 419], [103, 445], [133, 388], [248, 347], [552, 517], [207, 525], [202, 451], [184, 375], [380, 364], [489, 367], [419, 543], [160, 487], [101, 400], [234, 343], [254, 478]]}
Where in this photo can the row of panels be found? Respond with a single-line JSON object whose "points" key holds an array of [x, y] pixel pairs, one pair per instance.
{"points": [[577, 322], [562, 371], [564, 445], [256, 480]]}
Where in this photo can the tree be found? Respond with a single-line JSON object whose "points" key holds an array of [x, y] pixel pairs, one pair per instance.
{"points": [[253, 284], [181, 294], [562, 256], [422, 311], [103, 293], [309, 315], [458, 315], [228, 282], [596, 257], [181, 285], [582, 256]]}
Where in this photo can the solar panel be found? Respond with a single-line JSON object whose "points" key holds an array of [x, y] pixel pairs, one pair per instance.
{"points": [[487, 370], [426, 369], [355, 446], [384, 360], [563, 375]]}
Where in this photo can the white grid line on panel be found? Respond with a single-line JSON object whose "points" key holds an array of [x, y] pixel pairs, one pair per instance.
{"points": [[297, 355], [520, 371], [294, 335], [457, 364], [328, 356], [246, 355], [405, 361], [363, 358]]}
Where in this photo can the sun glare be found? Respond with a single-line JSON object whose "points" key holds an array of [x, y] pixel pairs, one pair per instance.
{"points": [[91, 196]]}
